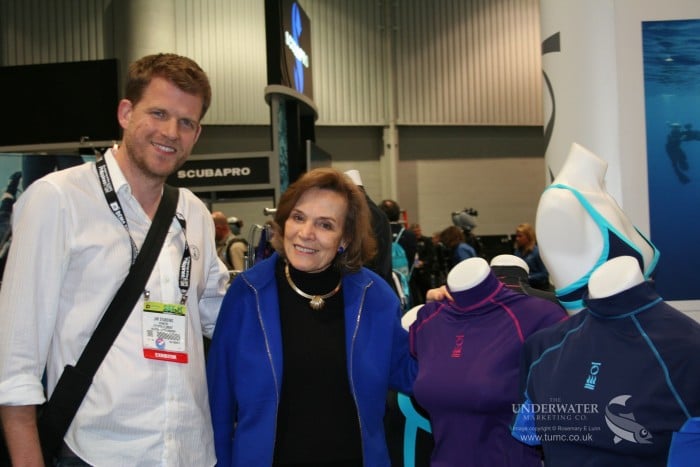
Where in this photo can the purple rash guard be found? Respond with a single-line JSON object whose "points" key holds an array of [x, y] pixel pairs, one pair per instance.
{"points": [[468, 355]]}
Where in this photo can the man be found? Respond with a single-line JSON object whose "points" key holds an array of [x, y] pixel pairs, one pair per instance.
{"points": [[236, 225], [422, 277], [230, 248], [69, 256]]}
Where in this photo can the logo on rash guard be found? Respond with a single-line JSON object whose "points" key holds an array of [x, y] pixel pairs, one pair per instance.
{"points": [[459, 343], [592, 377]]}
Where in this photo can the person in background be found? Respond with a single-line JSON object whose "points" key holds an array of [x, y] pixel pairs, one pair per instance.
{"points": [[235, 224], [466, 220], [407, 239], [381, 263], [139, 410], [36, 166], [526, 248], [230, 248], [7, 201], [422, 277], [441, 261], [308, 341], [241, 252], [513, 272], [458, 250]]}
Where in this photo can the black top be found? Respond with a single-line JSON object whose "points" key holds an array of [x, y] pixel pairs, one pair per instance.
{"points": [[516, 279], [381, 263], [317, 420]]}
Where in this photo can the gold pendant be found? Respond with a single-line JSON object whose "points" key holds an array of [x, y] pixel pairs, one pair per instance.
{"points": [[317, 302]]}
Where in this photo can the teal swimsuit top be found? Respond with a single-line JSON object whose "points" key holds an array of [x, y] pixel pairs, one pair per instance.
{"points": [[614, 244]]}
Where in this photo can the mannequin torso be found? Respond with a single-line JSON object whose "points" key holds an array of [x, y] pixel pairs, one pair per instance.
{"points": [[614, 276], [577, 219]]}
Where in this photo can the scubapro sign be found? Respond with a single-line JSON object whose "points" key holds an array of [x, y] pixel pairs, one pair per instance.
{"points": [[216, 172]]}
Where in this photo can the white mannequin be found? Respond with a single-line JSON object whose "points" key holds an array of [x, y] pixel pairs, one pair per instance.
{"points": [[467, 274], [410, 316], [569, 239], [509, 260], [615, 276]]}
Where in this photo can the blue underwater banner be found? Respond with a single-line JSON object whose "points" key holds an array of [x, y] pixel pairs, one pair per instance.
{"points": [[671, 55]]}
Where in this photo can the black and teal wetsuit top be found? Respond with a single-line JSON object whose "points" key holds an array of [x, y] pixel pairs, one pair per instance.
{"points": [[615, 244], [614, 385]]}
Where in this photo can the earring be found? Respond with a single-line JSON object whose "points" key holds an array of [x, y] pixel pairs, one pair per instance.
{"points": [[341, 250]]}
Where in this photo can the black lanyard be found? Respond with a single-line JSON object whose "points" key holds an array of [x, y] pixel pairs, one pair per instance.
{"points": [[116, 207], [113, 201], [185, 262]]}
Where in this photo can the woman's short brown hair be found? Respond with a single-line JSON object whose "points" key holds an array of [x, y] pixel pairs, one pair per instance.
{"points": [[357, 231], [452, 236]]}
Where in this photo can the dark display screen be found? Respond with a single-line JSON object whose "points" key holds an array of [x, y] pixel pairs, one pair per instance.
{"points": [[59, 103]]}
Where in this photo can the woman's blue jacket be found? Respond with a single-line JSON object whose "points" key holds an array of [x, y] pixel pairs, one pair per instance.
{"points": [[244, 364]]}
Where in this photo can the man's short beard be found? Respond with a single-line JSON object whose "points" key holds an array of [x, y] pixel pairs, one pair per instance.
{"points": [[139, 162]]}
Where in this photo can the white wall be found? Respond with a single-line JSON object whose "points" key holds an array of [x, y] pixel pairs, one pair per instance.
{"points": [[504, 191]]}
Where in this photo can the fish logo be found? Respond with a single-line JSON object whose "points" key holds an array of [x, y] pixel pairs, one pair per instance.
{"points": [[623, 425]]}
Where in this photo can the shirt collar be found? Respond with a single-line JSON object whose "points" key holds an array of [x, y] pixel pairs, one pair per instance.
{"points": [[478, 295], [631, 301], [115, 172]]}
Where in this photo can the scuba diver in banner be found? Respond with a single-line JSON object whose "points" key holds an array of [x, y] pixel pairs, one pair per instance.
{"points": [[675, 137]]}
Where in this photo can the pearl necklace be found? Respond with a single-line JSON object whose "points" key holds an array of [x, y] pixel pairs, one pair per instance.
{"points": [[316, 302]]}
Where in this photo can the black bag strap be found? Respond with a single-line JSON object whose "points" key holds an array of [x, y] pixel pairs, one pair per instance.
{"points": [[59, 411]]}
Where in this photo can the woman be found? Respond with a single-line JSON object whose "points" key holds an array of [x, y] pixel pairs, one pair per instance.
{"points": [[453, 239], [308, 342], [526, 248]]}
